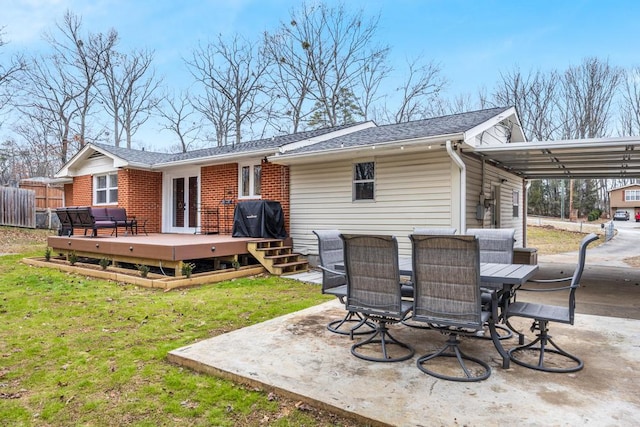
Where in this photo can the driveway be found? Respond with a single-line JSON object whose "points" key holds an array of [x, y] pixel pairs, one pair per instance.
{"points": [[625, 244]]}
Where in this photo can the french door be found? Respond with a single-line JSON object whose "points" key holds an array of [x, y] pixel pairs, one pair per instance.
{"points": [[181, 203]]}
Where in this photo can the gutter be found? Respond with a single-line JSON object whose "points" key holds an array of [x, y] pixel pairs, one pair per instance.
{"points": [[289, 158], [463, 185]]}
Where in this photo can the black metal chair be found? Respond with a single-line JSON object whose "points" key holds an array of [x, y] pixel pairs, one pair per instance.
{"points": [[331, 252], [446, 280], [373, 277], [539, 349], [496, 246], [407, 287]]}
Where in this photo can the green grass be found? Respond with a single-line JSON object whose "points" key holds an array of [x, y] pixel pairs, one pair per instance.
{"points": [[549, 240], [80, 351]]}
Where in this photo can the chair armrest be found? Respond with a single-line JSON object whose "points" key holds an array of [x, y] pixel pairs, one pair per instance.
{"points": [[329, 270], [547, 281]]}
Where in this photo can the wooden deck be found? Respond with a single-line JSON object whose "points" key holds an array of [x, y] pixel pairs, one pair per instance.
{"points": [[218, 251]]}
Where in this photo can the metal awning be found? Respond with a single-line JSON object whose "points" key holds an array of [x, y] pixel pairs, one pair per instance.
{"points": [[585, 158]]}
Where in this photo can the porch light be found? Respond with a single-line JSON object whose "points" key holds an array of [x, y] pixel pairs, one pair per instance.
{"points": [[131, 248], [213, 248]]}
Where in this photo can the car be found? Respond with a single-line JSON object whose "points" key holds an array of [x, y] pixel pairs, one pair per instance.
{"points": [[621, 216]]}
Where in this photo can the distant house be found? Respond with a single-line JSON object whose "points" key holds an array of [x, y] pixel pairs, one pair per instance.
{"points": [[357, 178], [625, 198]]}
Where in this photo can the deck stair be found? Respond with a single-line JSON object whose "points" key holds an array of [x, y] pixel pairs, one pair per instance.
{"points": [[277, 258]]}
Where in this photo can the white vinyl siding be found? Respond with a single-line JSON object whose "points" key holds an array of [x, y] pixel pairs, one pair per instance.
{"points": [[412, 190], [493, 178]]}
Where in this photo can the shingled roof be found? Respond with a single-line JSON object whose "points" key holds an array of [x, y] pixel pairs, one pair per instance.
{"points": [[151, 158], [437, 126]]}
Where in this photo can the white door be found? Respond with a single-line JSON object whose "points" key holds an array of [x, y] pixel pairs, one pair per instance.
{"points": [[181, 203]]}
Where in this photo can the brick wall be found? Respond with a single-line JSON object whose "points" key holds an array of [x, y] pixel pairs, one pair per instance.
{"points": [[275, 186], [219, 180], [82, 191], [140, 193], [68, 194], [217, 183]]}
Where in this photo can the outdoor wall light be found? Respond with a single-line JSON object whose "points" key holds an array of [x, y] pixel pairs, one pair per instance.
{"points": [[69, 242], [131, 248], [213, 248], [97, 245]]}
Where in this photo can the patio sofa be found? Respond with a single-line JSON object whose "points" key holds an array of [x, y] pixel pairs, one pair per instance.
{"points": [[94, 218]]}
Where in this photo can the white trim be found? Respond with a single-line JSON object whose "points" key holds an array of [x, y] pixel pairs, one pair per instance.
{"points": [[167, 199], [251, 165]]}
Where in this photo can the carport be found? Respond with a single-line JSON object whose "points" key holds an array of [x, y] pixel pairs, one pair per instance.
{"points": [[568, 159]]}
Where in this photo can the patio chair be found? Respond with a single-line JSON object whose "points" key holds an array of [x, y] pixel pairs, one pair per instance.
{"points": [[331, 252], [446, 278], [542, 314], [496, 246], [373, 277], [407, 287]]}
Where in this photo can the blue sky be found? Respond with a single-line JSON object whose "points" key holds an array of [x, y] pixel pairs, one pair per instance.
{"points": [[472, 40]]}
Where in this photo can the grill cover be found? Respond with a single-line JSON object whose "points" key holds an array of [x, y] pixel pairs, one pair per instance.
{"points": [[259, 218]]}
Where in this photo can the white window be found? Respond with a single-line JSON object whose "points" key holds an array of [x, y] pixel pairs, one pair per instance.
{"points": [[105, 189], [631, 195], [250, 181], [364, 181], [516, 203]]}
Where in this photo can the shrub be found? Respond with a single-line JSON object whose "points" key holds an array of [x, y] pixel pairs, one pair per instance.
{"points": [[187, 269], [143, 269], [73, 258], [594, 215], [104, 263], [47, 253]]}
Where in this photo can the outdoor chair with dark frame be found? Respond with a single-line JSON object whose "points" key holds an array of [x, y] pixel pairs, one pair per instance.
{"points": [[496, 246], [446, 278], [331, 252], [373, 277], [542, 314]]}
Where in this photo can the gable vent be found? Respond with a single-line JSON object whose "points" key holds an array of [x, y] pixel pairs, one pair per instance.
{"points": [[96, 155]]}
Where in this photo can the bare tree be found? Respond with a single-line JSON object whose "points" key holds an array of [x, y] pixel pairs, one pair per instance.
{"points": [[128, 91], [10, 73], [419, 91], [375, 70], [588, 91], [290, 80], [178, 112], [49, 98], [81, 58], [535, 97], [232, 75], [630, 106], [332, 45]]}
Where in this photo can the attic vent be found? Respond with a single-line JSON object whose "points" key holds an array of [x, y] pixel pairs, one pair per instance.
{"points": [[96, 155]]}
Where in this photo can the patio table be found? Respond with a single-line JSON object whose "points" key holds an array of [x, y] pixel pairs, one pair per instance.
{"points": [[505, 276]]}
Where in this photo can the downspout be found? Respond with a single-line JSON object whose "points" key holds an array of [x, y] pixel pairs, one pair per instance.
{"points": [[463, 186], [525, 208]]}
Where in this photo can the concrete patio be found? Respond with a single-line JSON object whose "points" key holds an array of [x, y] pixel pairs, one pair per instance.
{"points": [[295, 355]]}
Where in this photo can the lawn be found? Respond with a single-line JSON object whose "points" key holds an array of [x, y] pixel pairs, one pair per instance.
{"points": [[80, 351]]}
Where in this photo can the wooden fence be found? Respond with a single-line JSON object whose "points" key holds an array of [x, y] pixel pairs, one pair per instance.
{"points": [[17, 207], [47, 196]]}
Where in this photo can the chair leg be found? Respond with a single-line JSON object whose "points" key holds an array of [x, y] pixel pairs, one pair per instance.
{"points": [[546, 345], [385, 339], [345, 326], [452, 349], [505, 335]]}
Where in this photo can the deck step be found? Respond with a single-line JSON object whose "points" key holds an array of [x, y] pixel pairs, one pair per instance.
{"points": [[277, 258]]}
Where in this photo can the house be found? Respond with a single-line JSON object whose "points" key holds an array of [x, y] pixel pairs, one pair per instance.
{"points": [[626, 198], [358, 178]]}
